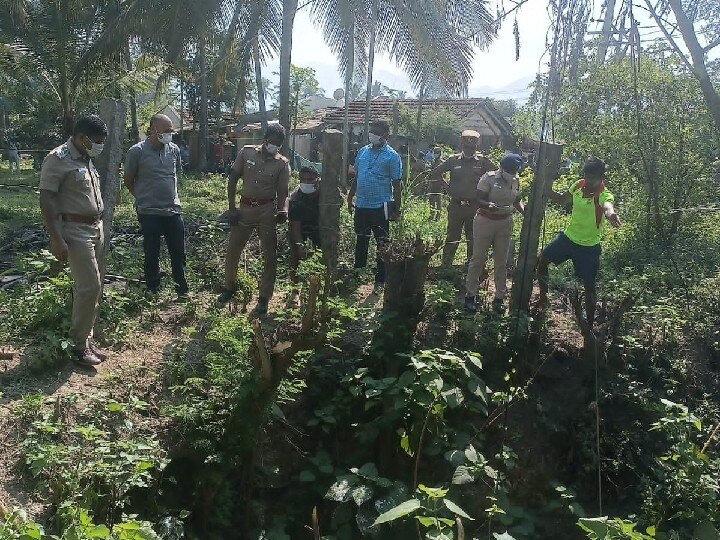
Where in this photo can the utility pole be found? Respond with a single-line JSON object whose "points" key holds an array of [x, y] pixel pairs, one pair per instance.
{"points": [[607, 31]]}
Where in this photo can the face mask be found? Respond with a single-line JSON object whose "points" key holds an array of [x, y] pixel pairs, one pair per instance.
{"points": [[468, 151], [95, 150], [165, 138], [308, 188], [271, 148], [374, 139]]}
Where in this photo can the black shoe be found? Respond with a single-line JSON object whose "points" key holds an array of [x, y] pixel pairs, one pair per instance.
{"points": [[85, 357], [471, 304], [152, 294], [225, 296], [101, 355], [262, 306]]}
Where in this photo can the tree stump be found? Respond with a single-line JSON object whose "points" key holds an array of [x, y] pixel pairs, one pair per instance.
{"points": [[403, 300]]}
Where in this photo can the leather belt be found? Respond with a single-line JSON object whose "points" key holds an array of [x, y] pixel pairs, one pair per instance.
{"points": [[463, 202], [79, 218], [255, 202]]}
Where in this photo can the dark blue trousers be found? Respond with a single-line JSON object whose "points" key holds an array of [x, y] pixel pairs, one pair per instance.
{"points": [[154, 228]]}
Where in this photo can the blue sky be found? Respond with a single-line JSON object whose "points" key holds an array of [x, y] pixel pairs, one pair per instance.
{"points": [[497, 74]]}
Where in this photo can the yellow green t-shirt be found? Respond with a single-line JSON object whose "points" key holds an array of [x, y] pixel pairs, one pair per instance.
{"points": [[584, 228]]}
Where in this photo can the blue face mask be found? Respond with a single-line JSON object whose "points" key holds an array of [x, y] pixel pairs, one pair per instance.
{"points": [[308, 188]]}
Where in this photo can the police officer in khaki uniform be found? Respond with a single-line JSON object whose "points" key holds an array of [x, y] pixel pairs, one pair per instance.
{"points": [[466, 169], [266, 177], [72, 209], [498, 194]]}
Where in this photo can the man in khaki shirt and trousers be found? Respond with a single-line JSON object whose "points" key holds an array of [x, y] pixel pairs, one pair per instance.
{"points": [[72, 209], [266, 178], [466, 169]]}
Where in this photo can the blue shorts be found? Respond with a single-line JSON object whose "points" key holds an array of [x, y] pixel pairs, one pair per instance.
{"points": [[586, 259]]}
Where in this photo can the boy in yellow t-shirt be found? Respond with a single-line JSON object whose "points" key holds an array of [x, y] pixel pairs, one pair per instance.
{"points": [[580, 242]]}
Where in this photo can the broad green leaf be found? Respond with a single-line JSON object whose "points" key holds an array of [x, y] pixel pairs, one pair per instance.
{"points": [[463, 475], [362, 494], [455, 509], [98, 531], [503, 536], [475, 361], [427, 521], [453, 397], [455, 457], [340, 490], [401, 510], [471, 454], [369, 469]]}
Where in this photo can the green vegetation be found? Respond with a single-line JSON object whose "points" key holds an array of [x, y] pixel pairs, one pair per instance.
{"points": [[356, 422]]}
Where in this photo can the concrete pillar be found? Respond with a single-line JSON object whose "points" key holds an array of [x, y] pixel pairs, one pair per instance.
{"points": [[547, 169], [330, 199], [114, 114]]}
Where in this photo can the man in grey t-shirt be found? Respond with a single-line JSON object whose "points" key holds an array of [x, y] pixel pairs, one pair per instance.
{"points": [[151, 169]]}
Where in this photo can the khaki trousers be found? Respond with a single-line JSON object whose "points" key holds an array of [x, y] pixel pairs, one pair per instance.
{"points": [[262, 220], [86, 252], [498, 234], [459, 218]]}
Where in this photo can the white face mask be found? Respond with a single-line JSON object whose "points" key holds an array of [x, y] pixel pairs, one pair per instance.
{"points": [[165, 138], [308, 188], [271, 148], [374, 139], [96, 150]]}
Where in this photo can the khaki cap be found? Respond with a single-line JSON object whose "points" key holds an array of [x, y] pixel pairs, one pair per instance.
{"points": [[470, 133]]}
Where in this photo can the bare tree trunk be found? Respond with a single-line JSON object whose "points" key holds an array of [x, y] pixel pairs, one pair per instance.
{"points": [[203, 141], [259, 84], [350, 68], [288, 23], [371, 62], [697, 53]]}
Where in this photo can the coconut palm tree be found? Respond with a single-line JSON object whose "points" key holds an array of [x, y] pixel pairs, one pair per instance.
{"points": [[47, 48], [289, 9], [174, 28], [429, 39]]}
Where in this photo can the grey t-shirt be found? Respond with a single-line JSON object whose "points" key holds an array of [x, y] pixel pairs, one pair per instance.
{"points": [[155, 174]]}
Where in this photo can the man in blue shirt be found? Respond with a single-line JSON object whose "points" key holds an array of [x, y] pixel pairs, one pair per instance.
{"points": [[378, 185]]}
